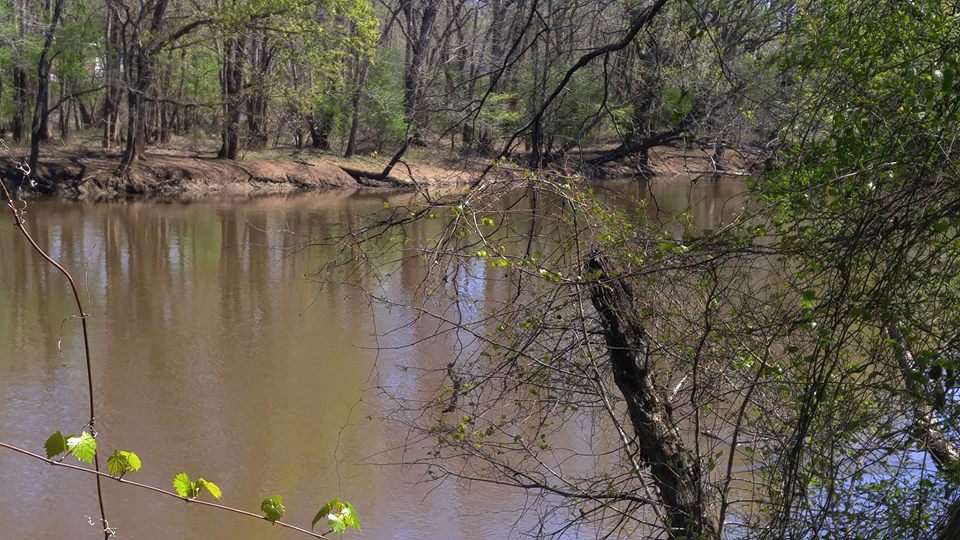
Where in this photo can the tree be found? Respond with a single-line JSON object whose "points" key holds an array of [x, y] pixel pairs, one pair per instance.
{"points": [[865, 204], [144, 32], [40, 111], [810, 341]]}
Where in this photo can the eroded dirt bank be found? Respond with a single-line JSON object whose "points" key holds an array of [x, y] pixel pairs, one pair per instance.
{"points": [[94, 174]]}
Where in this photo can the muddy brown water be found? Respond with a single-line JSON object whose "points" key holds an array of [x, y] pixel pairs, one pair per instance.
{"points": [[216, 354]]}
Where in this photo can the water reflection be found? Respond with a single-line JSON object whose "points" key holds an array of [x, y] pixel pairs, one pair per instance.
{"points": [[216, 355]]}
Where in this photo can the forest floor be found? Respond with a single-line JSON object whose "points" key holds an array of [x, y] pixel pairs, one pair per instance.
{"points": [[80, 170]]}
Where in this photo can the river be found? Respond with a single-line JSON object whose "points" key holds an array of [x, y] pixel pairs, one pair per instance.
{"points": [[218, 353]]}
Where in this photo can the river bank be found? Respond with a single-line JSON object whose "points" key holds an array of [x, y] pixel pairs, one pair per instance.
{"points": [[82, 173], [91, 174]]}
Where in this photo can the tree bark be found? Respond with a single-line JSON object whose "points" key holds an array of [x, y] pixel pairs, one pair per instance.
{"points": [[63, 121], [258, 100], [926, 426], [231, 82], [112, 68], [137, 105], [950, 530], [86, 117], [356, 100], [675, 472], [40, 123], [141, 47], [20, 77], [413, 77]]}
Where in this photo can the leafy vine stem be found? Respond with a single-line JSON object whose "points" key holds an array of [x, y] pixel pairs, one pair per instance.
{"points": [[19, 222], [154, 489]]}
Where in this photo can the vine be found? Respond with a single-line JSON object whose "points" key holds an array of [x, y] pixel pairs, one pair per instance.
{"points": [[339, 514]]}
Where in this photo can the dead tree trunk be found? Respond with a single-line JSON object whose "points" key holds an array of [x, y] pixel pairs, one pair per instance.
{"points": [[675, 472]]}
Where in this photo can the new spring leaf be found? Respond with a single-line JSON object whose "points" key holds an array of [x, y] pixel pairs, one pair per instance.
{"points": [[122, 462], [184, 487], [55, 445], [273, 508], [340, 515], [83, 447], [191, 489], [209, 486]]}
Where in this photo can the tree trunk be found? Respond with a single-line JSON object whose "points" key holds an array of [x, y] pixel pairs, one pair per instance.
{"points": [[113, 60], [231, 81], [470, 122], [63, 120], [86, 118], [40, 110], [356, 100], [413, 77], [20, 77], [177, 113], [363, 67], [20, 98], [139, 86], [164, 124], [258, 101], [46, 133], [78, 123], [675, 472], [926, 426]]}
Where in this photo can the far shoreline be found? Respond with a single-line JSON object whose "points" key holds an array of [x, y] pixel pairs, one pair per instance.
{"points": [[92, 174]]}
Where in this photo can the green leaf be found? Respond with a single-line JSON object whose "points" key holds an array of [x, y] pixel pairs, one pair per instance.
{"points": [[184, 487], [340, 515], [273, 508], [807, 300], [350, 516], [679, 102], [83, 447], [210, 486], [322, 513], [55, 445], [122, 462]]}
